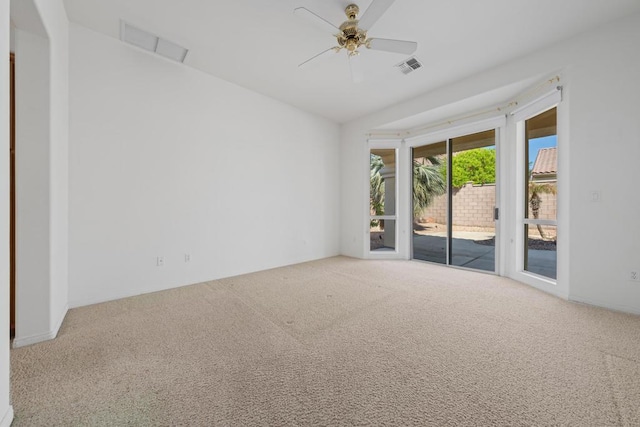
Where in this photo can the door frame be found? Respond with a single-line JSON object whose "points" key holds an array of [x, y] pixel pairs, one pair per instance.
{"points": [[498, 124], [404, 181], [400, 226], [552, 99], [12, 196]]}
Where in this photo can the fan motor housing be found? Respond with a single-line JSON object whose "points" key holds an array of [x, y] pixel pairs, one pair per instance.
{"points": [[351, 37]]}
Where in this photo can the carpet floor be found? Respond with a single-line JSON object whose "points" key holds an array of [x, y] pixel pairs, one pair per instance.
{"points": [[336, 342]]}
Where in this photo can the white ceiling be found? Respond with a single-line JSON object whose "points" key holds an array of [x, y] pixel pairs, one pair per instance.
{"points": [[258, 44]]}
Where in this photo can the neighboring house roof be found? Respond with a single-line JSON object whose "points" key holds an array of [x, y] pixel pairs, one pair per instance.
{"points": [[546, 162]]}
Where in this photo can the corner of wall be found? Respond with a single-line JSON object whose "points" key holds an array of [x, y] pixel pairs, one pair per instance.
{"points": [[7, 419], [6, 411], [45, 336]]}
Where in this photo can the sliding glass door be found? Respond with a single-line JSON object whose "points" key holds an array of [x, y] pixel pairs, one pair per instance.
{"points": [[430, 206], [454, 201]]}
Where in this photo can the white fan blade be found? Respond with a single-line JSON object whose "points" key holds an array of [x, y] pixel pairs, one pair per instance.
{"points": [[396, 46], [320, 22], [323, 54], [374, 12], [356, 68]]}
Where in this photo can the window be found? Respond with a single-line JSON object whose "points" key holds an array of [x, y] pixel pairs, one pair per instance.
{"points": [[382, 200], [539, 224]]}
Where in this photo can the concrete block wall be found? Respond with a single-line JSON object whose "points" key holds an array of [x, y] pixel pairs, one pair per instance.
{"points": [[473, 206]]}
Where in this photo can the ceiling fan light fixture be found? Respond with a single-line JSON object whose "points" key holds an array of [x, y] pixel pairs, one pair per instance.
{"points": [[352, 12], [350, 35]]}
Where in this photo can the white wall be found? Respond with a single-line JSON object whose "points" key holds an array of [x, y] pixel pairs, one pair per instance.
{"points": [[6, 413], [55, 21], [605, 135], [33, 269], [599, 151], [41, 46], [166, 160]]}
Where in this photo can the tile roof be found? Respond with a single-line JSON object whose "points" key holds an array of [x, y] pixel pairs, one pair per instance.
{"points": [[546, 162]]}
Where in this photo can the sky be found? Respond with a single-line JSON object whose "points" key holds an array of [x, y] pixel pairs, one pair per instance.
{"points": [[538, 143]]}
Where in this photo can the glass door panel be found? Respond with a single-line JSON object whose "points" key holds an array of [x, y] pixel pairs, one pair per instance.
{"points": [[454, 200], [430, 206], [473, 201]]}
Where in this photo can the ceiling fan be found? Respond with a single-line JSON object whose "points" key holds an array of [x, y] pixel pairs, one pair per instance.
{"points": [[351, 35]]}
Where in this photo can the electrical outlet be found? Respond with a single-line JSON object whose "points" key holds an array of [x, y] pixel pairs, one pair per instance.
{"points": [[634, 276], [187, 257], [160, 261]]}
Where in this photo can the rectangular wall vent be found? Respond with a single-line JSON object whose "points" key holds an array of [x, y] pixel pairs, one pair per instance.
{"points": [[151, 42], [409, 65]]}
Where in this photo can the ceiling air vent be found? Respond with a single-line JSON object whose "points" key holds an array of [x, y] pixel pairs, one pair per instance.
{"points": [[409, 65], [151, 42]]}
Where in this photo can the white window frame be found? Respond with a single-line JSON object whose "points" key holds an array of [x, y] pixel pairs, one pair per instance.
{"points": [[397, 253], [497, 123], [552, 99], [404, 183]]}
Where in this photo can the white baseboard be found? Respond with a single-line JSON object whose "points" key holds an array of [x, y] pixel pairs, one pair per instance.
{"points": [[7, 419], [19, 341], [33, 339], [540, 283], [58, 324], [83, 302], [601, 304]]}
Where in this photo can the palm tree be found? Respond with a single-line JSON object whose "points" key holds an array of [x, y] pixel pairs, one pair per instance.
{"points": [[376, 187], [427, 184], [535, 190]]}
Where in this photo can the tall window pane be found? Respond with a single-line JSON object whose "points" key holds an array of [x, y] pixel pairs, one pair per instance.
{"points": [[430, 203], [541, 194], [382, 200], [473, 201]]}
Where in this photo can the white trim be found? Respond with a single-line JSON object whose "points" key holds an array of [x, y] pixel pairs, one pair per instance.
{"points": [[387, 217], [552, 222], [58, 324], [33, 339], [456, 131], [403, 221], [519, 196], [538, 105], [497, 198], [540, 282], [99, 299], [7, 419], [503, 171], [498, 125], [603, 304], [405, 244], [395, 145], [366, 241], [389, 254], [37, 338], [384, 142]]}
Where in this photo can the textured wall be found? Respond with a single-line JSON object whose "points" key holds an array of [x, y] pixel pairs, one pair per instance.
{"points": [[473, 206]]}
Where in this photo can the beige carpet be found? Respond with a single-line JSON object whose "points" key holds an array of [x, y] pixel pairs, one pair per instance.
{"points": [[336, 342]]}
